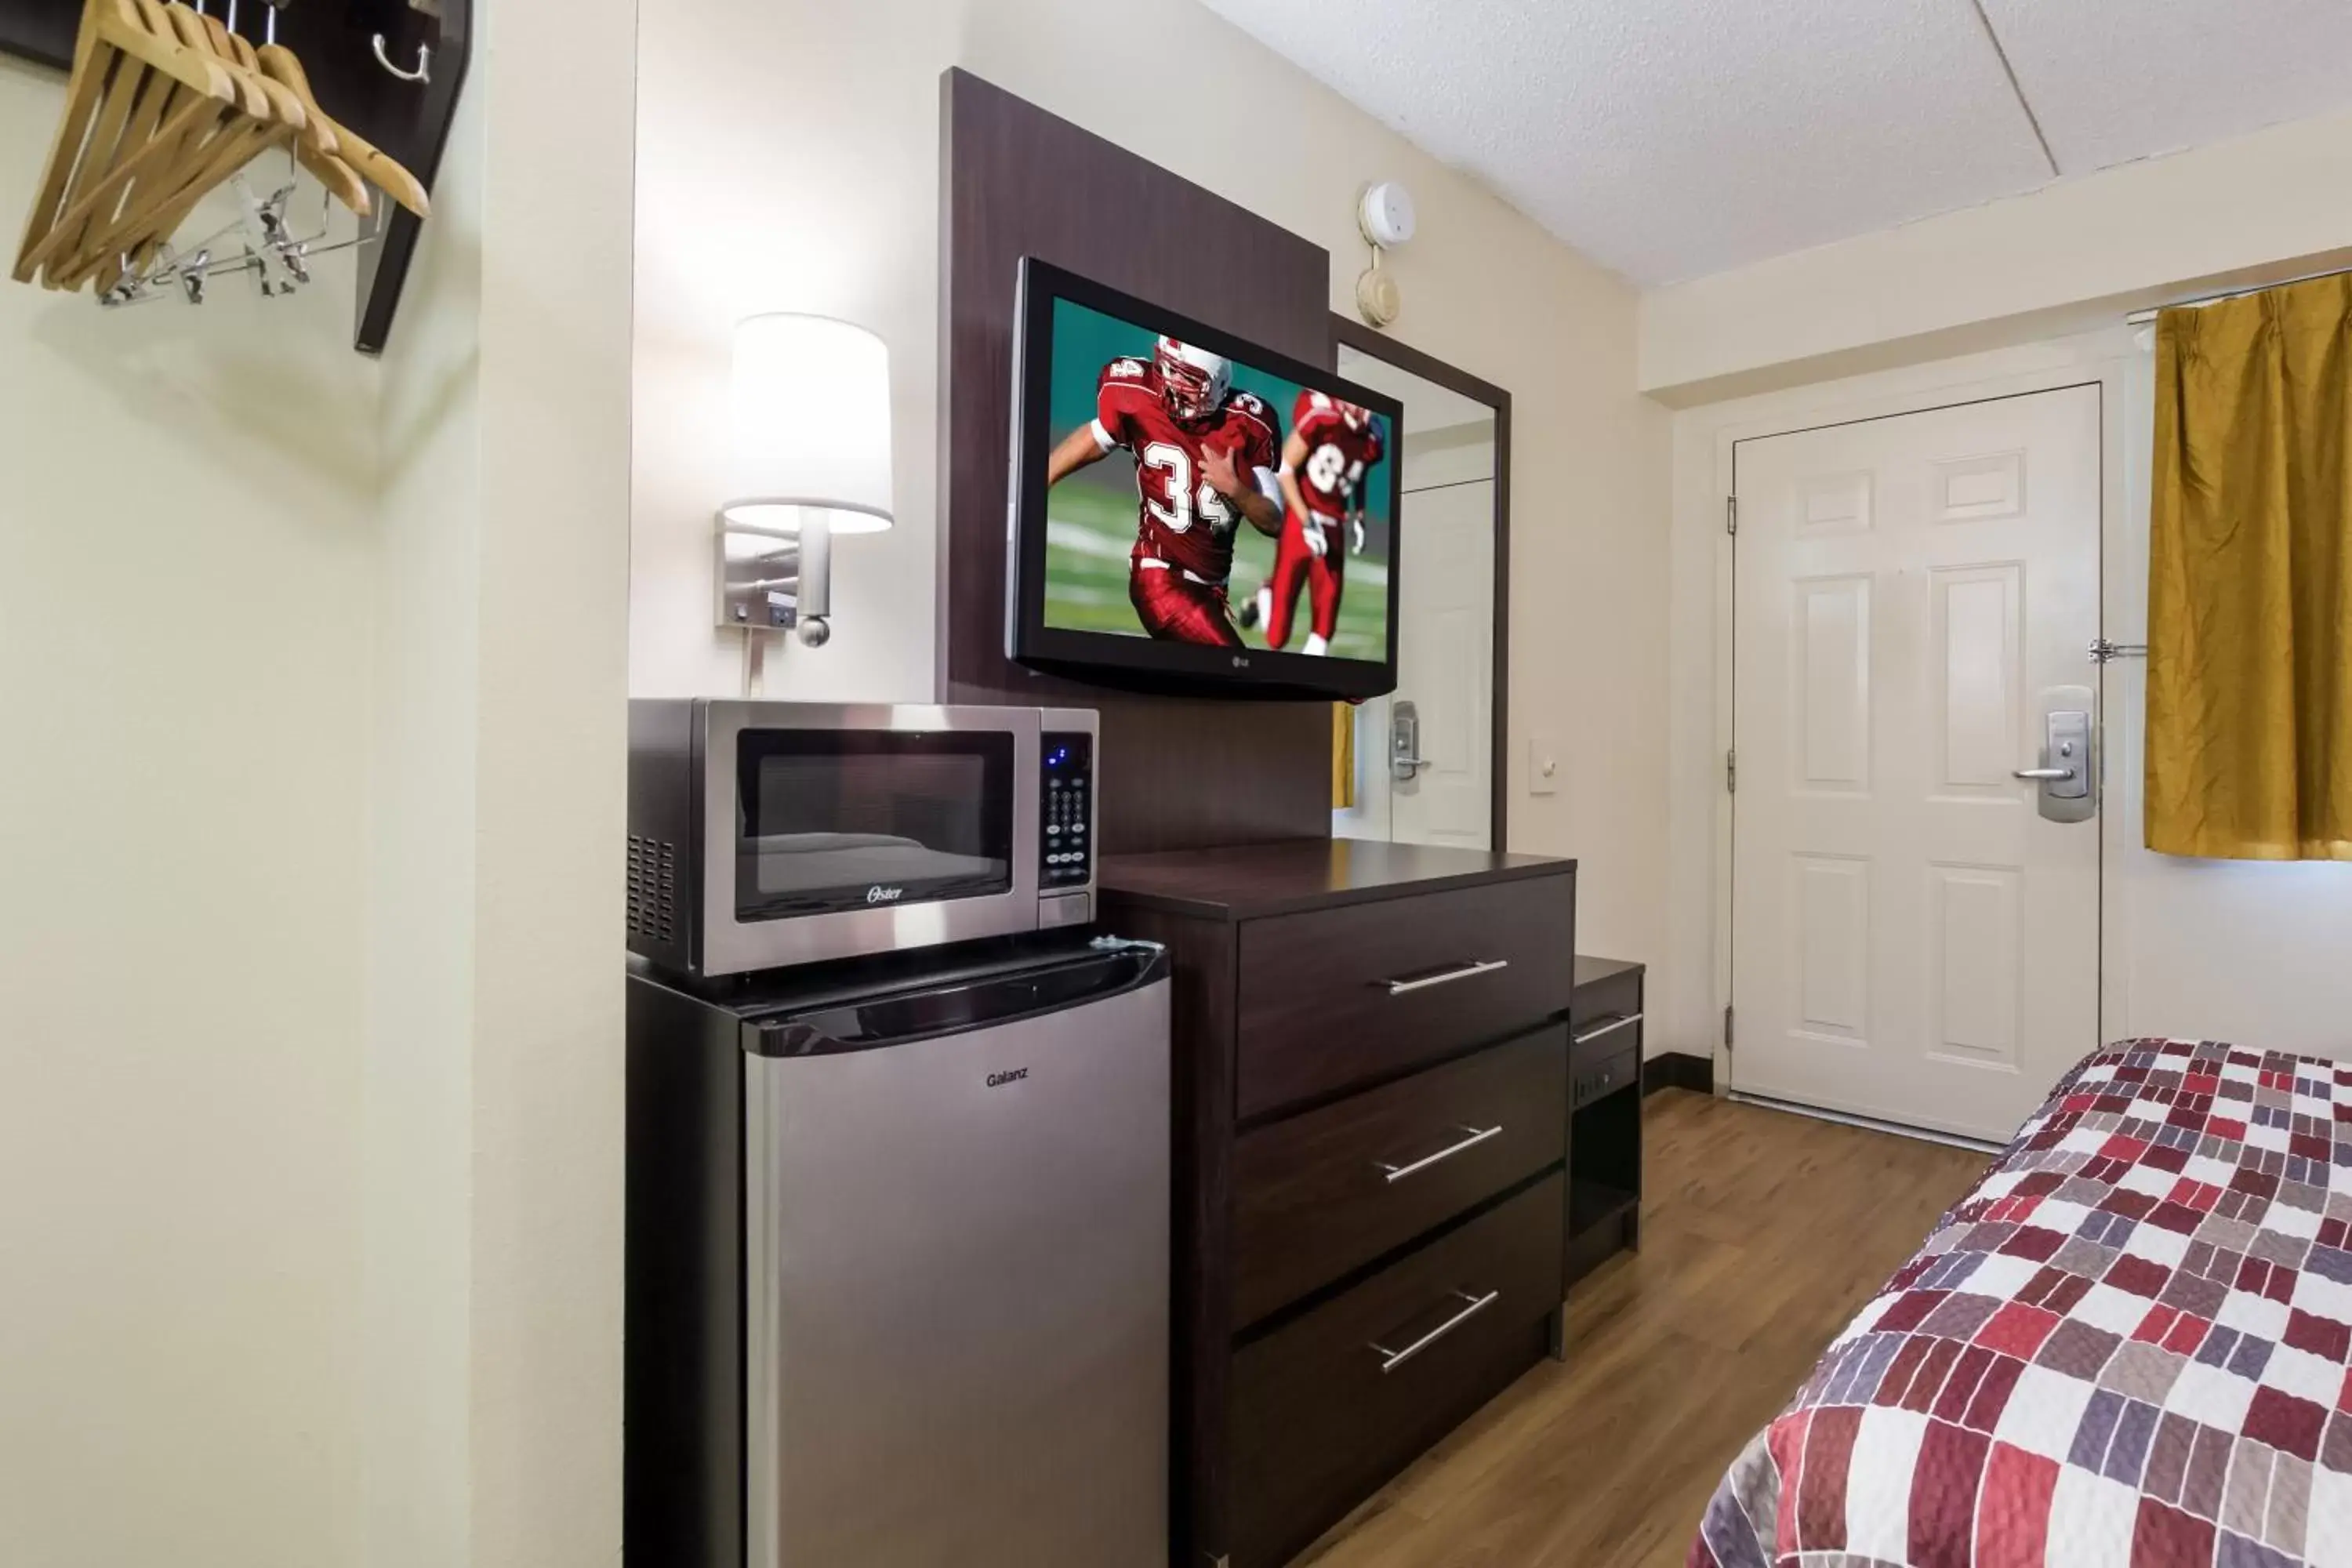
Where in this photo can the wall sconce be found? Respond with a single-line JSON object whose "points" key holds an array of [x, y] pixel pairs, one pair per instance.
{"points": [[810, 430]]}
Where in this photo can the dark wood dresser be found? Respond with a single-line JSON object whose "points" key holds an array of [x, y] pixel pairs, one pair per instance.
{"points": [[1372, 1114]]}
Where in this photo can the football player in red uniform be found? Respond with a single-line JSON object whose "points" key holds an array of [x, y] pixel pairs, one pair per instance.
{"points": [[1205, 458], [1332, 445]]}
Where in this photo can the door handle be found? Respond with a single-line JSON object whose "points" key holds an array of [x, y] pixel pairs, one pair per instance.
{"points": [[1391, 1359], [2043, 774], [1394, 1173]]}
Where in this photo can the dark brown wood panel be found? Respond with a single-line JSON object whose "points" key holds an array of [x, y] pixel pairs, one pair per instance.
{"points": [[1201, 1321], [1317, 1424], [1252, 882], [1314, 1196], [1603, 1067], [1016, 181], [1319, 1011]]}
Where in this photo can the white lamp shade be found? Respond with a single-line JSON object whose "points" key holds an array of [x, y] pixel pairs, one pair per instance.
{"points": [[809, 425]]}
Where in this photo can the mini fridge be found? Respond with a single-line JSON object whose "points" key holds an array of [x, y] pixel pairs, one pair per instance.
{"points": [[898, 1288]]}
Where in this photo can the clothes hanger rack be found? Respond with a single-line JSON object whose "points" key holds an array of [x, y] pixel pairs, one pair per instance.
{"points": [[168, 107]]}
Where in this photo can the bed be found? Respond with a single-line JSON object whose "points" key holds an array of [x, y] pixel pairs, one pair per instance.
{"points": [[2127, 1346]]}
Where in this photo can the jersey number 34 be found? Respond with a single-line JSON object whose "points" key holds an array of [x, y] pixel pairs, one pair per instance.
{"points": [[1181, 501]]}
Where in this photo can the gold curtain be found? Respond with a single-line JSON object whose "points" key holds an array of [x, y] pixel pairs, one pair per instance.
{"points": [[2249, 579], [1343, 756]]}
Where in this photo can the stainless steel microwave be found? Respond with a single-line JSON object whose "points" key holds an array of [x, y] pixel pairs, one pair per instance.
{"points": [[763, 834]]}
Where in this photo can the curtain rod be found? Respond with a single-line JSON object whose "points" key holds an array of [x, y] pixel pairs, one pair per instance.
{"points": [[2141, 318]]}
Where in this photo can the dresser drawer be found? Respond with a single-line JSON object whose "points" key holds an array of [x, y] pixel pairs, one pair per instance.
{"points": [[1326, 1408], [1320, 1193], [1337, 997], [1604, 1057]]}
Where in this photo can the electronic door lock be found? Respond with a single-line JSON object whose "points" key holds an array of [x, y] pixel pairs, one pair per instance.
{"points": [[2067, 757]]}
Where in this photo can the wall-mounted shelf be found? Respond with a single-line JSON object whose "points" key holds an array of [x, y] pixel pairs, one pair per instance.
{"points": [[337, 41]]}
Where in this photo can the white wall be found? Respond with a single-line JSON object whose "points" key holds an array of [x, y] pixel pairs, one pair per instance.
{"points": [[825, 198], [493, 1287], [185, 555], [2069, 257]]}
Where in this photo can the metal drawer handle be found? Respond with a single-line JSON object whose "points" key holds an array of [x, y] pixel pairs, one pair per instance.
{"points": [[1391, 1359], [1477, 1136], [2050, 774], [1598, 1030], [1399, 987]]}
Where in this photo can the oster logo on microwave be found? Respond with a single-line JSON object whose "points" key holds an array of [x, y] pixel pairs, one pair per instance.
{"points": [[880, 895]]}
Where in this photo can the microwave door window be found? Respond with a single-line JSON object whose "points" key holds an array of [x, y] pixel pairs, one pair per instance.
{"points": [[828, 821]]}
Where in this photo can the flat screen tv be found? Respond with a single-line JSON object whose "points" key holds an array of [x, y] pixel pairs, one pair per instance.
{"points": [[1190, 512]]}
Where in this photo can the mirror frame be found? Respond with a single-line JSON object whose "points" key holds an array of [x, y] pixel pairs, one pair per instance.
{"points": [[1348, 332]]}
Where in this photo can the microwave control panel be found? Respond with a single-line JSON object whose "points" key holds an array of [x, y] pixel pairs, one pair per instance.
{"points": [[1066, 841]]}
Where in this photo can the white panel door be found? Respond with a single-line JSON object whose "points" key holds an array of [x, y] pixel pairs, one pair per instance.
{"points": [[1912, 938], [1446, 663]]}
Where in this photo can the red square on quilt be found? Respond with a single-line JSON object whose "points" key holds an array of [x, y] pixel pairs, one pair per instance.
{"points": [[2140, 1275], [2178, 1217], [1944, 1488], [2032, 1241], [2192, 1194], [1909, 1310], [2013, 1511], [2017, 1330], [2291, 1426], [2167, 1538], [2227, 1129], [2323, 1337], [2054, 1288]]}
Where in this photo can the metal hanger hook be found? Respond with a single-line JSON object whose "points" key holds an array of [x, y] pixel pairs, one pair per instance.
{"points": [[423, 71]]}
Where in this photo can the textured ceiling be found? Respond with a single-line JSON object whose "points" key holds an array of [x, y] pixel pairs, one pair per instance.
{"points": [[1669, 139]]}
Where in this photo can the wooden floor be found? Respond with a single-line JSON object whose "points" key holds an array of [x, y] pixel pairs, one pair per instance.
{"points": [[1761, 1235]]}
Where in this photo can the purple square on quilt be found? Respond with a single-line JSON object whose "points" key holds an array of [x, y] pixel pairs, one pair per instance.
{"points": [[2078, 1349], [2233, 1551], [2330, 1263]]}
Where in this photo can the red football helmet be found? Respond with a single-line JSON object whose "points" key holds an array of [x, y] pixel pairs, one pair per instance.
{"points": [[1193, 382]]}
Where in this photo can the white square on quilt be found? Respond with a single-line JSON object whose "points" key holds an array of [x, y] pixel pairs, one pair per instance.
{"points": [[2315, 1292], [2213, 1172], [1878, 1484], [2289, 1220], [2106, 1307], [2059, 1215], [2209, 1394], [2002, 1276], [2157, 1244], [2328, 1541], [2043, 1412], [2256, 1315], [2148, 1179], [2305, 1375], [2090, 1521]]}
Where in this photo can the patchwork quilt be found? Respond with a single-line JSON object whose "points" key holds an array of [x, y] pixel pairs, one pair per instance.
{"points": [[2125, 1347]]}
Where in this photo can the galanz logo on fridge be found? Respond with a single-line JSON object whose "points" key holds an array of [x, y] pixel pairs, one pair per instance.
{"points": [[1014, 1074]]}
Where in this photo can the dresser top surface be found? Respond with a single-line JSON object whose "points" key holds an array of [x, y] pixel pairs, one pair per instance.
{"points": [[1248, 881], [1591, 971]]}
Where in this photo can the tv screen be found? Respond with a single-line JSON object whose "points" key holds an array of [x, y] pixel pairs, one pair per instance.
{"points": [[1192, 512]]}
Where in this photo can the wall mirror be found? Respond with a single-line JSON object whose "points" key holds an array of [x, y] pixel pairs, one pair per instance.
{"points": [[1425, 763]]}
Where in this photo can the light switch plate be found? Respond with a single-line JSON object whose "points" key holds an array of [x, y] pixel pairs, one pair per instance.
{"points": [[1543, 765]]}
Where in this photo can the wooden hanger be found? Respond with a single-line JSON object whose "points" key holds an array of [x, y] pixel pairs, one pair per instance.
{"points": [[270, 116], [361, 154], [164, 105], [114, 54]]}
